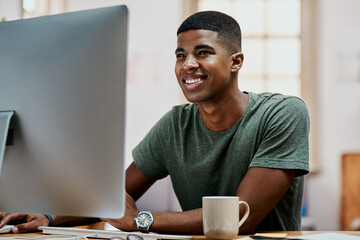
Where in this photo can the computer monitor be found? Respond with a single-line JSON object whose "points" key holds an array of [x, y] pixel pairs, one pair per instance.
{"points": [[64, 77]]}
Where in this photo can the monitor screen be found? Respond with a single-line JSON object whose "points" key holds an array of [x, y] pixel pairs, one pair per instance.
{"points": [[64, 77]]}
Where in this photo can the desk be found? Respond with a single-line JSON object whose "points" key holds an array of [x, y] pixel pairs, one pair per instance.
{"points": [[289, 233]]}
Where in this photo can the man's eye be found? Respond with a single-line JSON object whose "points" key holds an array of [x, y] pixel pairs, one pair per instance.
{"points": [[203, 52], [180, 56]]}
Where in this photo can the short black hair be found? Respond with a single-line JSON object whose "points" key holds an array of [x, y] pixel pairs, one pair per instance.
{"points": [[226, 27]]}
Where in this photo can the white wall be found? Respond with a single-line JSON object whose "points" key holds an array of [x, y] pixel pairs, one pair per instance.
{"points": [[339, 106], [10, 11]]}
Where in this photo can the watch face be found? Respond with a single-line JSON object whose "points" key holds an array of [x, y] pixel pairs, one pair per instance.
{"points": [[144, 219]]}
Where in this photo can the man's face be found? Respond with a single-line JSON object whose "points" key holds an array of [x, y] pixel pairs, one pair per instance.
{"points": [[203, 66]]}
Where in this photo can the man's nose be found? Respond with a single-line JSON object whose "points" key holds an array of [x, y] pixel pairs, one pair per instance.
{"points": [[190, 63]]}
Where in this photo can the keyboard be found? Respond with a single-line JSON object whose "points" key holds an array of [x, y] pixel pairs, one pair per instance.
{"points": [[107, 233]]}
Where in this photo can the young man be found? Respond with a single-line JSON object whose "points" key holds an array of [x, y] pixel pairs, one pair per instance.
{"points": [[225, 142]]}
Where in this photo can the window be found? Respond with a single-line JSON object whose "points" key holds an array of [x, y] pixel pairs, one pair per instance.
{"points": [[271, 42], [36, 8]]}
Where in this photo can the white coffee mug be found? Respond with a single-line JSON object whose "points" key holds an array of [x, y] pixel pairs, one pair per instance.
{"points": [[221, 216]]}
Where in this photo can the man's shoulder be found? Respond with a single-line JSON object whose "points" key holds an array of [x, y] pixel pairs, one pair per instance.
{"points": [[275, 97], [274, 107], [269, 101]]}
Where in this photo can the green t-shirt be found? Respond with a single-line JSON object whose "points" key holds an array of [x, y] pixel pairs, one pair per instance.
{"points": [[272, 133]]}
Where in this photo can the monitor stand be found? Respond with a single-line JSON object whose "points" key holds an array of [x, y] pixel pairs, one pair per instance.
{"points": [[5, 117]]}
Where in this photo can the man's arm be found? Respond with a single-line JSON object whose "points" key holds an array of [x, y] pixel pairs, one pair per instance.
{"points": [[261, 188], [166, 222], [30, 222], [23, 222], [136, 182]]}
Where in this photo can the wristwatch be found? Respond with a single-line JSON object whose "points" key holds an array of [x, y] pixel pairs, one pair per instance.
{"points": [[143, 221]]}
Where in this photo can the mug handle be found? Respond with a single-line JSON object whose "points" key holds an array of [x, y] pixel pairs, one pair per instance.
{"points": [[246, 215]]}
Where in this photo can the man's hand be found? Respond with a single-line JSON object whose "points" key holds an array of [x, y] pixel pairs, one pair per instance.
{"points": [[31, 221], [126, 223]]}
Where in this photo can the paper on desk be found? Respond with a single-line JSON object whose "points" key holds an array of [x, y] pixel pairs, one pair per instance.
{"points": [[267, 235], [318, 236], [327, 236], [274, 235]]}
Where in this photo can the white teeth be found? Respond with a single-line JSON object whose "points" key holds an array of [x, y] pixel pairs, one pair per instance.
{"points": [[194, 80]]}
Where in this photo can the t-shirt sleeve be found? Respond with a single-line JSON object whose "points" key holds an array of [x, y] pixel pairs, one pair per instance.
{"points": [[285, 139], [148, 155]]}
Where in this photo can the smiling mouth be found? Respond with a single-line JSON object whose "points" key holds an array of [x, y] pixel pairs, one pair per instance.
{"points": [[193, 81]]}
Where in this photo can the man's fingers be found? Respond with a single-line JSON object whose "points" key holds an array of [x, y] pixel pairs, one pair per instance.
{"points": [[27, 223], [26, 227], [5, 218], [15, 230], [2, 222]]}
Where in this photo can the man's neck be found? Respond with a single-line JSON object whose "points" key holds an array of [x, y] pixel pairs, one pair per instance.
{"points": [[223, 114]]}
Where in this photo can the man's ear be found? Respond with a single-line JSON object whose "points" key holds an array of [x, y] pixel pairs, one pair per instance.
{"points": [[237, 61]]}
